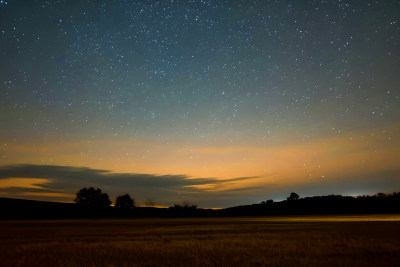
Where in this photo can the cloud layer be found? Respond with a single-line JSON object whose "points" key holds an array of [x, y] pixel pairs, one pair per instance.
{"points": [[65, 181]]}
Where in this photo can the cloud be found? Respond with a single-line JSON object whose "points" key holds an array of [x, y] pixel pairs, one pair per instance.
{"points": [[61, 181], [23, 182]]}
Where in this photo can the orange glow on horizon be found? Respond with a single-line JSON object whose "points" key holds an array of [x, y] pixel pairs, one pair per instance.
{"points": [[331, 157]]}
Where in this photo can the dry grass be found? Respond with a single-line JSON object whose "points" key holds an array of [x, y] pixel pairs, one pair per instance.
{"points": [[285, 241]]}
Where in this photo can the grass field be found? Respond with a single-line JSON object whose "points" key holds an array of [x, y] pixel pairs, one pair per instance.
{"points": [[277, 241]]}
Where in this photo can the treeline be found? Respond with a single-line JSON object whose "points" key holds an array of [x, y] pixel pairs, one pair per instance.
{"points": [[331, 204], [91, 202]]}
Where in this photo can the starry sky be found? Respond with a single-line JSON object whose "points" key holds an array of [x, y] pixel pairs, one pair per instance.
{"points": [[215, 103]]}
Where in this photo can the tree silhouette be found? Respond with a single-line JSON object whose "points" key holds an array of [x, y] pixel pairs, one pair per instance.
{"points": [[293, 196], [92, 199], [269, 202], [124, 202]]}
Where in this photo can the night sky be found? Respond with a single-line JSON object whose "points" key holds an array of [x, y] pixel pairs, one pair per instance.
{"points": [[215, 103]]}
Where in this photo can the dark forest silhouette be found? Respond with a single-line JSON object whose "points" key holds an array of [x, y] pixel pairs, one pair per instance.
{"points": [[91, 202]]}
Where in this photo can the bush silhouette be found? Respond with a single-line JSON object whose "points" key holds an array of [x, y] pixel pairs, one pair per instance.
{"points": [[269, 202], [293, 196]]}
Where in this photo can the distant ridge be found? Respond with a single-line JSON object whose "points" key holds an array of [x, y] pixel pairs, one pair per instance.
{"points": [[331, 204], [11, 208]]}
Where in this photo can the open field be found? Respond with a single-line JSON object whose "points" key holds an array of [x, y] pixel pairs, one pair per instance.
{"points": [[370, 240]]}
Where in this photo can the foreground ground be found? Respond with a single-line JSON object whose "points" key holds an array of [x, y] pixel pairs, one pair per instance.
{"points": [[370, 240]]}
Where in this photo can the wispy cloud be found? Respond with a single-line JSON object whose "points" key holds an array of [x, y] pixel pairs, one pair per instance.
{"points": [[58, 181]]}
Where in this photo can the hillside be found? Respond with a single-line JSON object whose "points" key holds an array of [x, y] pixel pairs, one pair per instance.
{"points": [[333, 204]]}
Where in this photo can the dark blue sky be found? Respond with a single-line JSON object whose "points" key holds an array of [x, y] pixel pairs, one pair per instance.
{"points": [[203, 89]]}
